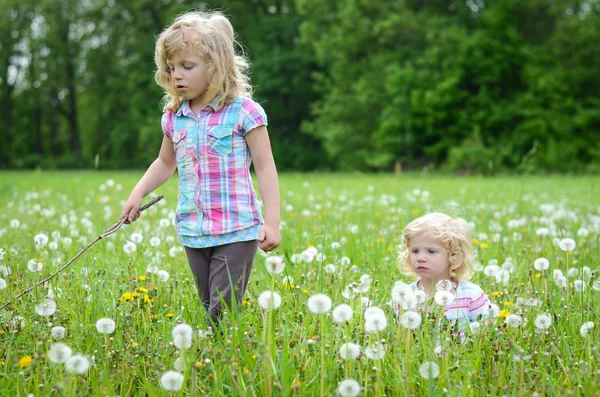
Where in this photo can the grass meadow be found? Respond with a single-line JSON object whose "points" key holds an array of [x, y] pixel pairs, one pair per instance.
{"points": [[340, 238]]}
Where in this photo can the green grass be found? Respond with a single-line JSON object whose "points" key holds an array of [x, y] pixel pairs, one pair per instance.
{"points": [[292, 351]]}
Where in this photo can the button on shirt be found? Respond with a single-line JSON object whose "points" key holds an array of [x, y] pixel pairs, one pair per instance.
{"points": [[217, 201]]}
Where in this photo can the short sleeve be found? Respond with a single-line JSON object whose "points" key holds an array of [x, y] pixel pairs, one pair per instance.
{"points": [[478, 305], [252, 115], [167, 123]]}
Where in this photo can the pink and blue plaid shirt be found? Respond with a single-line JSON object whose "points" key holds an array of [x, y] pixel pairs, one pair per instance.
{"points": [[217, 202]]}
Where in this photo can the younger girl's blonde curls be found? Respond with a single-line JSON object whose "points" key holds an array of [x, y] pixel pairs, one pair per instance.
{"points": [[454, 234]]}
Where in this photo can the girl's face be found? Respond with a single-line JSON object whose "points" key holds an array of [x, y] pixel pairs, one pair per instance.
{"points": [[189, 77], [428, 258]]}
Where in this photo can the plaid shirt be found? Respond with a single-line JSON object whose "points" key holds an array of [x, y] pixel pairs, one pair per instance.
{"points": [[216, 196]]}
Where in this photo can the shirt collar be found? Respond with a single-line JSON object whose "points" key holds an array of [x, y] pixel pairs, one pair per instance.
{"points": [[185, 109]]}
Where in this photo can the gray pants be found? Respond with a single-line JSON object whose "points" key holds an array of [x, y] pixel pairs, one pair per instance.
{"points": [[222, 272]]}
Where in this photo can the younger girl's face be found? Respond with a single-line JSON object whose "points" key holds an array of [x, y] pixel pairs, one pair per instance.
{"points": [[189, 76], [428, 258]]}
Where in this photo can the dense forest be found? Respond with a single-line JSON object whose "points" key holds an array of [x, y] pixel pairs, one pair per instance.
{"points": [[371, 85]]}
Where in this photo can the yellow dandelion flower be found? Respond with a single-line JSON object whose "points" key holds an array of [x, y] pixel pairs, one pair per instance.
{"points": [[246, 302], [483, 246], [305, 291], [127, 296], [142, 289], [254, 356], [503, 313], [154, 317], [475, 241], [134, 344], [497, 293], [170, 315], [510, 304], [570, 253], [142, 278], [135, 295], [2, 363], [538, 275], [25, 361], [147, 299]]}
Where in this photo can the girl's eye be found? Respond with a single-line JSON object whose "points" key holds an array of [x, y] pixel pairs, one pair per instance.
{"points": [[431, 251], [187, 67]]}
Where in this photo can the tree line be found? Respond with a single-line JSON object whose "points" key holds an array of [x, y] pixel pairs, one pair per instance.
{"points": [[371, 85]]}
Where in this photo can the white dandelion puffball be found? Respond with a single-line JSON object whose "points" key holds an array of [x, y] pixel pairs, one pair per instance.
{"points": [[543, 321], [585, 328], [164, 222], [429, 370], [375, 323], [154, 241], [336, 246], [4, 271], [375, 351], [2, 283], [2, 253], [153, 269], [349, 351], [171, 381], [348, 388], [59, 353], [579, 285], [513, 320], [163, 275], [475, 327], [502, 276], [596, 285], [180, 365], [491, 270], [58, 332], [77, 364], [182, 336], [105, 325], [46, 308], [319, 303], [342, 313], [269, 300], [274, 264], [444, 285], [15, 223], [329, 268], [567, 244], [34, 265], [492, 311], [40, 240], [443, 298], [129, 247], [411, 320], [136, 237], [373, 310], [541, 264]]}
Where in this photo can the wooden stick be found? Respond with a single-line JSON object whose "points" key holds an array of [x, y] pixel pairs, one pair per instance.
{"points": [[102, 235]]}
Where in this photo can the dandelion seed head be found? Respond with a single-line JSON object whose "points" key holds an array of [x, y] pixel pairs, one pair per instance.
{"points": [[269, 300], [59, 353], [543, 322], [136, 238], [40, 240], [375, 351], [342, 313], [567, 244], [77, 364], [348, 388], [163, 275], [34, 265], [375, 323], [349, 351], [154, 241], [129, 247], [429, 370], [411, 320], [443, 298], [58, 332], [2, 283], [373, 310], [541, 264], [105, 326], [171, 381], [444, 285], [513, 320], [274, 264], [585, 328], [46, 308], [319, 303], [182, 336]]}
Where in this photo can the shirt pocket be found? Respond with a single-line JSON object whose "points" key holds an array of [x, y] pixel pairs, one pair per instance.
{"points": [[220, 140], [178, 138]]}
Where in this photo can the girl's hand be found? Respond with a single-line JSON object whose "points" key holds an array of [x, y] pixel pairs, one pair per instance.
{"points": [[269, 238], [131, 208]]}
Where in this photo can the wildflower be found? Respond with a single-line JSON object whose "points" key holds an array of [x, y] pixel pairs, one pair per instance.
{"points": [[46, 308], [59, 353], [147, 299], [136, 238], [579, 285], [375, 323], [375, 351], [411, 320], [349, 351], [182, 336], [2, 283], [502, 276], [492, 311], [15, 223], [342, 313], [163, 275], [475, 327], [154, 241], [429, 370], [164, 223], [34, 265], [541, 264], [77, 364], [336, 246], [2, 253], [585, 328], [567, 244], [170, 315], [373, 310], [152, 269], [269, 300], [180, 365], [543, 321], [491, 270], [497, 293], [142, 277], [58, 332], [171, 381], [503, 313], [25, 361], [596, 285], [329, 269], [444, 285], [4, 271], [274, 264], [319, 303], [348, 388], [40, 240], [105, 326], [443, 298], [129, 247], [513, 320]]}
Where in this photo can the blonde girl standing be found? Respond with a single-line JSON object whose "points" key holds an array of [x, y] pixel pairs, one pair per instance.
{"points": [[212, 131]]}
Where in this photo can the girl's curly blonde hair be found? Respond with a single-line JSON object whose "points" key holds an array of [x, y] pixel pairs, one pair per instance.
{"points": [[211, 36], [454, 234]]}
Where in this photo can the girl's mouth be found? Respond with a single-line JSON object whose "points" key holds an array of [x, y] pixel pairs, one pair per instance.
{"points": [[181, 88]]}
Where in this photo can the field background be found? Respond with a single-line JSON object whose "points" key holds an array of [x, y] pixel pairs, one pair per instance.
{"points": [[365, 213]]}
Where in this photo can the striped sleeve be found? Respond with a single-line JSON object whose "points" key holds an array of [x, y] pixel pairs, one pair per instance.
{"points": [[167, 123], [252, 115], [479, 302]]}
